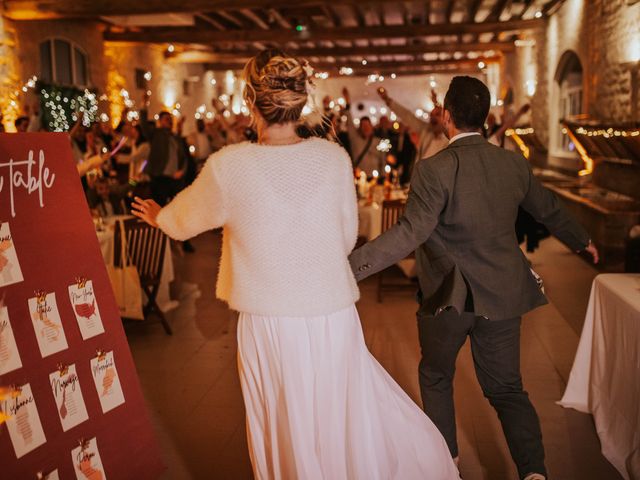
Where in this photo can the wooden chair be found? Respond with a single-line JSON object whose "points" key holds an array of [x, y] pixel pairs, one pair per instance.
{"points": [[146, 247], [392, 210]]}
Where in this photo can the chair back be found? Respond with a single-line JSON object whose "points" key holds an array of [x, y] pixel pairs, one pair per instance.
{"points": [[392, 210], [145, 247]]}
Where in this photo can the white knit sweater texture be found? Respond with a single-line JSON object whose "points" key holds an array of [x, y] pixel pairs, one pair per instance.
{"points": [[290, 219]]}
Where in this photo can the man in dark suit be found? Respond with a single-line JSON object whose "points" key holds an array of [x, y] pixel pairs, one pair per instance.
{"points": [[167, 162], [474, 280]]}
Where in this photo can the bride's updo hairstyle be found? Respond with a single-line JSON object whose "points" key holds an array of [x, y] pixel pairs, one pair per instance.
{"points": [[276, 86]]}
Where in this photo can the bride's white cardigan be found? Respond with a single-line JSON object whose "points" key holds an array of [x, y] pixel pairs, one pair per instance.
{"points": [[290, 220]]}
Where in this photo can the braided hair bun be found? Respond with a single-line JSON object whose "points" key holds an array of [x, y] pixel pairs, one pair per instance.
{"points": [[276, 86]]}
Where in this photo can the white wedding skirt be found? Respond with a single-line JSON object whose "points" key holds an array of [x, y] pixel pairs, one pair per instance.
{"points": [[319, 405]]}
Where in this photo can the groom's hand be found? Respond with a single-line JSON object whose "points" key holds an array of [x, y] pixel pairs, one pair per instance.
{"points": [[593, 251]]}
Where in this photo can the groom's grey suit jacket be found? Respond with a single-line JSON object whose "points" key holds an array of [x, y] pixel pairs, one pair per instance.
{"points": [[460, 218]]}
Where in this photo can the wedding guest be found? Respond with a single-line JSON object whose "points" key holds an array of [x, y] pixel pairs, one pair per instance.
{"points": [[385, 130], [405, 153], [106, 133], [139, 154], [201, 141], [167, 162], [22, 124], [103, 200], [364, 142], [168, 159], [217, 135], [431, 137]]}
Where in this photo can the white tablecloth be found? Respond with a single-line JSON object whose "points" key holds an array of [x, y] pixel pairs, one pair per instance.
{"points": [[370, 226], [605, 378], [106, 239]]}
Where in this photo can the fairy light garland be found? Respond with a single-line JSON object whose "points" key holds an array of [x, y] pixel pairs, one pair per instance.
{"points": [[515, 134], [606, 133]]}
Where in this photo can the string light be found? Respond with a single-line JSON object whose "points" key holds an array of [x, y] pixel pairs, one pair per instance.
{"points": [[608, 133], [515, 135]]}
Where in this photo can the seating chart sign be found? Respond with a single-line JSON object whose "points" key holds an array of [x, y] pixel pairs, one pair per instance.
{"points": [[70, 401]]}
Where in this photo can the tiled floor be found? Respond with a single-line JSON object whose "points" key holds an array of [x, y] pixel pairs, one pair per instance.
{"points": [[192, 388]]}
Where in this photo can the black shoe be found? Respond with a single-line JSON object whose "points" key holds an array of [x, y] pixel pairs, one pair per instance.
{"points": [[187, 247]]}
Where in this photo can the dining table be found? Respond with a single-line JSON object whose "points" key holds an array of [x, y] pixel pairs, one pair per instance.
{"points": [[605, 377]]}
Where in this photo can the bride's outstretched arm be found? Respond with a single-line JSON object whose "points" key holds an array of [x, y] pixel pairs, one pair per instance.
{"points": [[198, 208]]}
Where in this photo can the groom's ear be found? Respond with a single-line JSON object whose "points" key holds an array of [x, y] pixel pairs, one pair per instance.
{"points": [[446, 117]]}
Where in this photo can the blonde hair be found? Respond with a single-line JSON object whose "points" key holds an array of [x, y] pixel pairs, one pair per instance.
{"points": [[276, 86]]}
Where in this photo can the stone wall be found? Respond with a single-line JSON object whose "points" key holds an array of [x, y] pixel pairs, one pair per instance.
{"points": [[614, 46], [605, 36], [85, 34]]}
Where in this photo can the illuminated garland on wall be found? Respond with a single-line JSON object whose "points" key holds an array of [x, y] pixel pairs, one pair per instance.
{"points": [[59, 106], [608, 133], [515, 134]]}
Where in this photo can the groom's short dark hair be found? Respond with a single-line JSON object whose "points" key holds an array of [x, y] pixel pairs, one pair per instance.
{"points": [[468, 101]]}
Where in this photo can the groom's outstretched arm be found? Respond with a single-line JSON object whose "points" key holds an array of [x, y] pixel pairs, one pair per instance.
{"points": [[546, 208], [427, 199]]}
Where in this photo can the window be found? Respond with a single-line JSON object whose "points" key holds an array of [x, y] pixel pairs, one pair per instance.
{"points": [[569, 97], [63, 62], [570, 103]]}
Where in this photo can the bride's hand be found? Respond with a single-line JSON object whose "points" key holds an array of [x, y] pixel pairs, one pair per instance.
{"points": [[147, 210]]}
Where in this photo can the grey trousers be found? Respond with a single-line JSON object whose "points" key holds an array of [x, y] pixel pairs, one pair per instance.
{"points": [[496, 356]]}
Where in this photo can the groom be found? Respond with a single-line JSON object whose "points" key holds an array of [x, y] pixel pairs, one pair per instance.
{"points": [[474, 280]]}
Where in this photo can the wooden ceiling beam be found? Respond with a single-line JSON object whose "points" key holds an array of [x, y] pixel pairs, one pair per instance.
{"points": [[331, 15], [449, 10], [324, 65], [525, 8], [279, 18], [472, 9], [400, 70], [193, 35], [427, 12], [254, 18], [210, 21], [355, 51], [232, 19], [496, 11], [548, 9], [53, 9]]}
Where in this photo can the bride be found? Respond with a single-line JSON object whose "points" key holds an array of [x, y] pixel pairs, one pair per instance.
{"points": [[318, 404]]}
